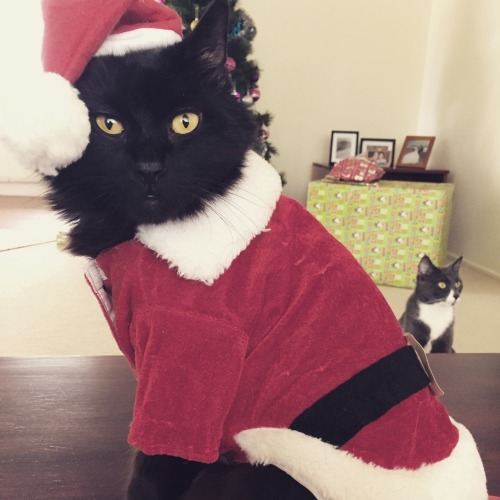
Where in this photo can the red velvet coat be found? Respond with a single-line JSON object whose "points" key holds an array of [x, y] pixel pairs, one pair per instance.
{"points": [[293, 317]]}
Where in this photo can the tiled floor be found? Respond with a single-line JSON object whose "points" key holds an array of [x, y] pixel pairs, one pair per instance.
{"points": [[47, 309]]}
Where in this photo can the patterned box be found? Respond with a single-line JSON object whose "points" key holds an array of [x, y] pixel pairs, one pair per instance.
{"points": [[388, 226]]}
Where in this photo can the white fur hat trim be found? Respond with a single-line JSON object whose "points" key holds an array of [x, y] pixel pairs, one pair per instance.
{"points": [[119, 44]]}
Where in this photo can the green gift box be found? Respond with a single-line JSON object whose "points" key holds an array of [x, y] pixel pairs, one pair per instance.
{"points": [[388, 226]]}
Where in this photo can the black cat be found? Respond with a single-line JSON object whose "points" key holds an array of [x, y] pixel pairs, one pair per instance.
{"points": [[429, 315], [147, 109]]}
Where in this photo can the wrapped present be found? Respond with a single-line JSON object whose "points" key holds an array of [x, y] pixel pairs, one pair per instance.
{"points": [[356, 170], [387, 226]]}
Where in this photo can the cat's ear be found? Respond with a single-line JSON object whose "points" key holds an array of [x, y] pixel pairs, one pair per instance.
{"points": [[456, 265], [425, 265], [208, 42]]}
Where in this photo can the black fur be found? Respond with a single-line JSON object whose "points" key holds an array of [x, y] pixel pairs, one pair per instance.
{"points": [[245, 482], [434, 285], [167, 478], [149, 174], [160, 477]]}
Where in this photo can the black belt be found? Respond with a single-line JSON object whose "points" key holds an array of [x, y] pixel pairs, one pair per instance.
{"points": [[342, 413]]}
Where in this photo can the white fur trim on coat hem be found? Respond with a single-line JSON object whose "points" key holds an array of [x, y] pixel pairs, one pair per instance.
{"points": [[333, 474], [203, 247]]}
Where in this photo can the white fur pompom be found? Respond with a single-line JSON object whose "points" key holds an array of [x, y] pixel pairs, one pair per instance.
{"points": [[43, 121]]}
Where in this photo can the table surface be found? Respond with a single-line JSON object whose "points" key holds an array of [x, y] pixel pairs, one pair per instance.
{"points": [[64, 421]]}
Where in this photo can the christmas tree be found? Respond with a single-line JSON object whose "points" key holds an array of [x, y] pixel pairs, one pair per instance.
{"points": [[244, 72]]}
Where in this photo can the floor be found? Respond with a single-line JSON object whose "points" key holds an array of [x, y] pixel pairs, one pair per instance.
{"points": [[47, 309]]}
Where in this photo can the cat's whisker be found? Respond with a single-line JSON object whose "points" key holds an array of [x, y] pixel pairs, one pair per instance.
{"points": [[253, 198], [237, 211], [259, 203], [231, 227]]}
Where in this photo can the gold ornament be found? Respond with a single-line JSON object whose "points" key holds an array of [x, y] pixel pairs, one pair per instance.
{"points": [[196, 19], [194, 24]]}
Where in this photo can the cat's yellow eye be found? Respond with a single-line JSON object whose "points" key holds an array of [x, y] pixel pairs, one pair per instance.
{"points": [[457, 284], [109, 125], [442, 284], [185, 123]]}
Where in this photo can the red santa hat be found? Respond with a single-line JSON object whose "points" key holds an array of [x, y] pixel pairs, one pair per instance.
{"points": [[51, 128]]}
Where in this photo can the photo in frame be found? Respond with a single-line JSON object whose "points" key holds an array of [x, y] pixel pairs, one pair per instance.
{"points": [[343, 145], [416, 151], [380, 151]]}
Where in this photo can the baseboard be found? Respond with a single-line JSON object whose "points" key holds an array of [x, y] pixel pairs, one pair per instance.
{"points": [[477, 267]]}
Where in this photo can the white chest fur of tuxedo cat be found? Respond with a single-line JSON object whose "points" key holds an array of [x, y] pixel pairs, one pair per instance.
{"points": [[439, 316]]}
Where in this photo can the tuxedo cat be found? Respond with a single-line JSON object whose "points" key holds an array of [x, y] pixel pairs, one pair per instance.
{"points": [[429, 315]]}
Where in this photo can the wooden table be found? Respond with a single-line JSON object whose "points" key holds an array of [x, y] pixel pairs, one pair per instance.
{"points": [[64, 421]]}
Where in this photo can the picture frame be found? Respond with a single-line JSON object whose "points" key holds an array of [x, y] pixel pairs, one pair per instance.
{"points": [[343, 144], [380, 151], [416, 151]]}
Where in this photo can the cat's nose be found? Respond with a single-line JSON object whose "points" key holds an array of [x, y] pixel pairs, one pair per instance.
{"points": [[149, 170]]}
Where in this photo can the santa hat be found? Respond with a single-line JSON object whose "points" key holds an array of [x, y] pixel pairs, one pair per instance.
{"points": [[51, 128]]}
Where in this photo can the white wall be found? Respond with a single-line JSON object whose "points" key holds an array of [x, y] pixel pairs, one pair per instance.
{"points": [[337, 65], [390, 69], [19, 55], [461, 106]]}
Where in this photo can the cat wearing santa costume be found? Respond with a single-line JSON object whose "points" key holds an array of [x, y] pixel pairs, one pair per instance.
{"points": [[268, 364]]}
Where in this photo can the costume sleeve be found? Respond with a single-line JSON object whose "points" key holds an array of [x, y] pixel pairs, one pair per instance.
{"points": [[188, 368]]}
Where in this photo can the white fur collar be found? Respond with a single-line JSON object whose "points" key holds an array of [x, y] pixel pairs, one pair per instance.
{"points": [[203, 247]]}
